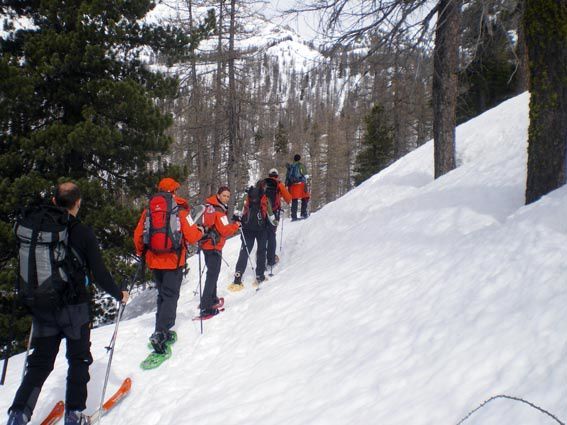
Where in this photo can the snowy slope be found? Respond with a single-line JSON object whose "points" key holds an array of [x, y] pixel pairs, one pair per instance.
{"points": [[407, 301]]}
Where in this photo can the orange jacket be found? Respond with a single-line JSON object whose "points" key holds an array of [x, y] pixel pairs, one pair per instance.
{"points": [[299, 191], [169, 260], [215, 219]]}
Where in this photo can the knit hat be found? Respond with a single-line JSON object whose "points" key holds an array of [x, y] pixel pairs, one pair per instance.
{"points": [[297, 157], [273, 172], [167, 184]]}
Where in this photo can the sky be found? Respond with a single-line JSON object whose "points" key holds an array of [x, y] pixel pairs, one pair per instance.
{"points": [[410, 300]]}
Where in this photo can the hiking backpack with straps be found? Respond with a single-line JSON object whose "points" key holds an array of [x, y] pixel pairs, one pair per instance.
{"points": [[272, 193], [255, 214], [162, 227], [49, 268], [293, 174]]}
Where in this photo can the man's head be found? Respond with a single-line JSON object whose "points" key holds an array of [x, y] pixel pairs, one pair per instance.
{"points": [[297, 157], [68, 196], [273, 173], [167, 184]]}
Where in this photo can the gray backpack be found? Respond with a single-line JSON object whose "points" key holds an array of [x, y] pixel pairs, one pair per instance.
{"points": [[48, 266]]}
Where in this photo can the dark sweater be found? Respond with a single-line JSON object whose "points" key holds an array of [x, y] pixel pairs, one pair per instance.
{"points": [[83, 240]]}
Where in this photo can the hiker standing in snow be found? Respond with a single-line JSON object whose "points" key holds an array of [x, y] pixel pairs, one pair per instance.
{"points": [[72, 320], [256, 214], [296, 181], [162, 233], [218, 229], [275, 190]]}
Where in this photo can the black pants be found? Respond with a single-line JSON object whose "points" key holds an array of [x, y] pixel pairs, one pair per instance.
{"points": [[294, 202], [271, 236], [168, 283], [213, 261], [40, 364], [249, 237]]}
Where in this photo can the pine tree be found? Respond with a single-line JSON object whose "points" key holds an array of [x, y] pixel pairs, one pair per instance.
{"points": [[77, 102], [377, 147]]}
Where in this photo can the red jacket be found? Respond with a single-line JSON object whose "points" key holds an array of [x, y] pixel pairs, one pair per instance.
{"points": [[169, 260], [214, 218], [299, 191]]}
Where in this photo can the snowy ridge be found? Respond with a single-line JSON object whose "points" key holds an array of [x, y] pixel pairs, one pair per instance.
{"points": [[407, 301]]}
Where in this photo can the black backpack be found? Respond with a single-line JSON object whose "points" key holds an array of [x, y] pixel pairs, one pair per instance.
{"points": [[254, 218], [48, 266], [272, 193]]}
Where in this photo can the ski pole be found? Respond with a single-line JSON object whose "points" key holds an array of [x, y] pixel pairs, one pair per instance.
{"points": [[247, 251], [110, 347], [200, 290]]}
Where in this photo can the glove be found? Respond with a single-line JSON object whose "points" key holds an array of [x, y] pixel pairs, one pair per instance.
{"points": [[236, 217]]}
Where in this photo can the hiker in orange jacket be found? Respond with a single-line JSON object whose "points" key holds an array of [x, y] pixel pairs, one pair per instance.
{"points": [[162, 234], [296, 181], [218, 229], [275, 190]]}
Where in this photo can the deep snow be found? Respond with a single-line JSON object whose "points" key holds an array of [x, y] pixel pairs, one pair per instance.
{"points": [[407, 301]]}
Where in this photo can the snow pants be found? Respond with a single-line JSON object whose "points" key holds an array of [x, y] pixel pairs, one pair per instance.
{"points": [[213, 261], [249, 237], [40, 364], [294, 205], [168, 284]]}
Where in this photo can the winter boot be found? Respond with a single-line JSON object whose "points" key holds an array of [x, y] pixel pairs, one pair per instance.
{"points": [[75, 417], [209, 312], [171, 338], [259, 280], [218, 304], [237, 285], [158, 340], [17, 418]]}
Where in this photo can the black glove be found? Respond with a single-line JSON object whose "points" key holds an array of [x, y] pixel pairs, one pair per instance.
{"points": [[236, 217]]}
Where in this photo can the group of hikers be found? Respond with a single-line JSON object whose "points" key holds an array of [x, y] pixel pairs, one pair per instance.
{"points": [[59, 255]]}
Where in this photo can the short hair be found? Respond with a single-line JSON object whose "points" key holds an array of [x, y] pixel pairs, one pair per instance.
{"points": [[223, 189], [66, 195], [297, 157]]}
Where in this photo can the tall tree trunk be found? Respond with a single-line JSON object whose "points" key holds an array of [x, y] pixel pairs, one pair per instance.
{"points": [[196, 100], [445, 66], [545, 23], [523, 71], [232, 105], [219, 118]]}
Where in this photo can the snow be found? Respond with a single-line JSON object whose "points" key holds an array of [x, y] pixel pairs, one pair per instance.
{"points": [[407, 301]]}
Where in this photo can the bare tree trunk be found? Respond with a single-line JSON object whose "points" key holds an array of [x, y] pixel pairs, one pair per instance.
{"points": [[546, 38], [218, 122], [445, 66], [522, 51], [196, 100], [232, 105]]}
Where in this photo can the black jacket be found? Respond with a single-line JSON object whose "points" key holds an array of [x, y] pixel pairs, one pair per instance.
{"points": [[83, 240]]}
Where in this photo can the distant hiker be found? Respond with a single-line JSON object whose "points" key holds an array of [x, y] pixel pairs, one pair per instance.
{"points": [[256, 214], [69, 315], [296, 181], [163, 231], [218, 229], [275, 190]]}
